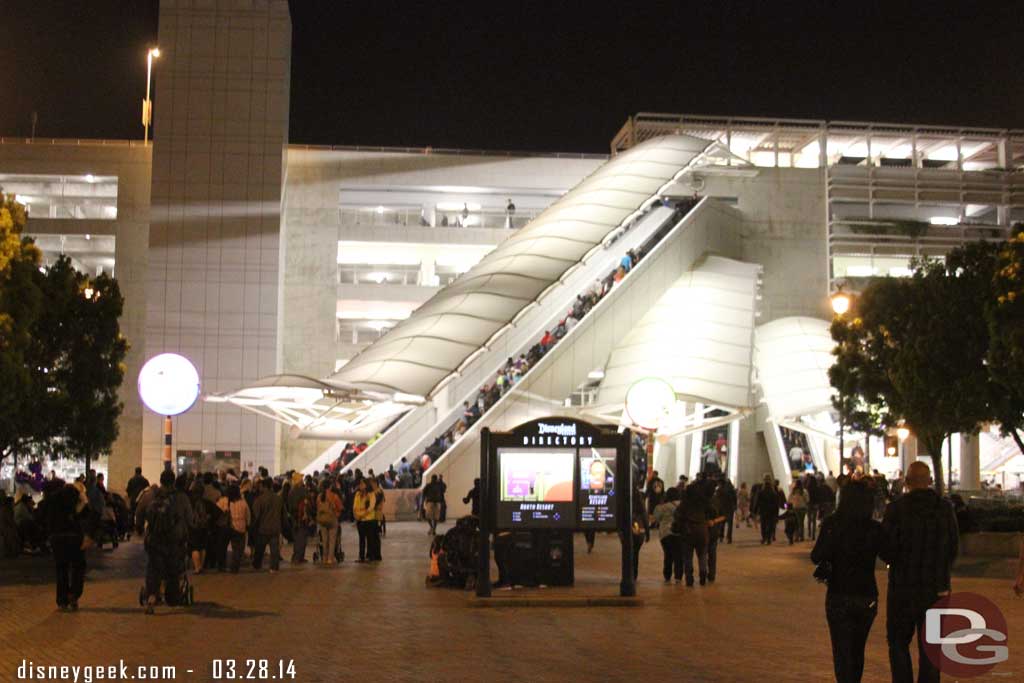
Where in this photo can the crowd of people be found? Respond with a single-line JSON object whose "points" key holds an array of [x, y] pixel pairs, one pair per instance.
{"points": [[201, 522]]}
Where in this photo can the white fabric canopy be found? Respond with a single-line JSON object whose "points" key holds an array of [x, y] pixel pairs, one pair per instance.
{"points": [[792, 356], [419, 353], [697, 337]]}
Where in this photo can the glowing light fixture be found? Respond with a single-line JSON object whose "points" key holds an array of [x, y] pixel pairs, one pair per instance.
{"points": [[840, 303], [648, 401], [944, 220], [169, 384], [902, 433]]}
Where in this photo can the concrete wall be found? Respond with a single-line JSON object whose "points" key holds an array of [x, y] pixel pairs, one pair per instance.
{"points": [[784, 229], [130, 162], [220, 129]]}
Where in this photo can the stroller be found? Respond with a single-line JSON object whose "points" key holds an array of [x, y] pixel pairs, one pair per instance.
{"points": [[186, 592], [339, 554], [457, 554]]}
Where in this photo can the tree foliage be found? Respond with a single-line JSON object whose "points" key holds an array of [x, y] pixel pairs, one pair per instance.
{"points": [[1004, 312], [913, 350], [61, 351]]}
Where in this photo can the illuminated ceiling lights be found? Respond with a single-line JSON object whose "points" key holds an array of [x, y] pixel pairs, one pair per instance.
{"points": [[944, 220]]}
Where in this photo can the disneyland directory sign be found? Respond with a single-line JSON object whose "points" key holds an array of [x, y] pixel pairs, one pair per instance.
{"points": [[536, 488], [596, 502]]}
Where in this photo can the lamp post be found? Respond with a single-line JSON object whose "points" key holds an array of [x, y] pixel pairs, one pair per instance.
{"points": [[840, 305], [147, 104], [902, 433]]}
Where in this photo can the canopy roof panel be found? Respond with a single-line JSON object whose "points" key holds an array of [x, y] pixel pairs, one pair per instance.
{"points": [[698, 337], [793, 356], [420, 352]]}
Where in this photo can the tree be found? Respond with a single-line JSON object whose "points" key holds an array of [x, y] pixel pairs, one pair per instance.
{"points": [[913, 350], [79, 355], [20, 305], [1004, 313]]}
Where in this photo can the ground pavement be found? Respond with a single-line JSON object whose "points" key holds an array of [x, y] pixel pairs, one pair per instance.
{"points": [[763, 619]]}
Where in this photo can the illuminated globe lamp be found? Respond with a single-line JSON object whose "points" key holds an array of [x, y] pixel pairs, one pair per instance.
{"points": [[169, 386], [649, 403]]}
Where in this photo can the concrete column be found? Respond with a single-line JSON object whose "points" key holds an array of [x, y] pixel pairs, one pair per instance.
{"points": [[427, 271], [970, 462]]}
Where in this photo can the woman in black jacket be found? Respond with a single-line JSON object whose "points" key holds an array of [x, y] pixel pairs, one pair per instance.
{"points": [[849, 542]]}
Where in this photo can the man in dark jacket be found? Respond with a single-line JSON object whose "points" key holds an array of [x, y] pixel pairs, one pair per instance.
{"points": [[60, 514], [267, 512], [725, 501], [168, 515], [135, 486], [921, 540], [766, 504]]}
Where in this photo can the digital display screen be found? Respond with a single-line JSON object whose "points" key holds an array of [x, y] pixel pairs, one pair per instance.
{"points": [[536, 488], [596, 506]]}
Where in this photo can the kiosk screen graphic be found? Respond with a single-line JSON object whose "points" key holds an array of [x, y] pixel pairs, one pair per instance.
{"points": [[536, 488], [597, 488]]}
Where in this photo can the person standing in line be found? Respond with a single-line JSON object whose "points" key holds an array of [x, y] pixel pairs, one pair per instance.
{"points": [[510, 213], [268, 511], [743, 504], [813, 505], [300, 530], [168, 518], [921, 540], [362, 509], [377, 519], [135, 486], [671, 543], [845, 553], [328, 509], [61, 514], [240, 518]]}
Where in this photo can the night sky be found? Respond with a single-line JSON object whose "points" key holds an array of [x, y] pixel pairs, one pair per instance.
{"points": [[551, 76]]}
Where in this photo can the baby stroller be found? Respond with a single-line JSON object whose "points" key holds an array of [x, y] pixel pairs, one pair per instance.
{"points": [[186, 592], [459, 552], [339, 554], [789, 517]]}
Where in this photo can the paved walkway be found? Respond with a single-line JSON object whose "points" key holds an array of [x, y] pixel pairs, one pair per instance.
{"points": [[763, 619]]}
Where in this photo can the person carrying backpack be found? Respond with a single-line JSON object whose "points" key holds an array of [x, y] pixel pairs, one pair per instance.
{"points": [[168, 518]]}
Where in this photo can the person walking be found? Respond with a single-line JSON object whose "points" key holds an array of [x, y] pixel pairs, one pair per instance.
{"points": [[328, 510], [60, 513], [691, 522], [268, 513], [136, 485], [726, 501], [641, 530], [432, 496], [921, 540], [743, 505], [240, 518], [797, 501], [766, 505], [444, 501], [473, 498], [671, 542], [845, 552]]}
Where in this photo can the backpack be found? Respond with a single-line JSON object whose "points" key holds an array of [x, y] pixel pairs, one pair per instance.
{"points": [[202, 515], [163, 522], [325, 515]]}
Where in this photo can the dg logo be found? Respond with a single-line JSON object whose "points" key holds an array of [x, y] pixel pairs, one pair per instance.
{"points": [[965, 635]]}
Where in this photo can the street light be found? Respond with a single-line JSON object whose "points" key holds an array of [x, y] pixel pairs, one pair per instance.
{"points": [[147, 104], [902, 433], [840, 305]]}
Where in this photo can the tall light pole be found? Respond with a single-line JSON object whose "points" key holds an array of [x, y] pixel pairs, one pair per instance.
{"points": [[840, 305], [147, 104]]}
